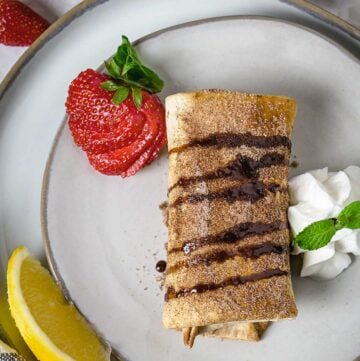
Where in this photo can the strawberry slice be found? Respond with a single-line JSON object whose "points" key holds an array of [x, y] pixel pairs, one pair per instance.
{"points": [[158, 148], [118, 161], [96, 123], [162, 139], [100, 142], [152, 107], [144, 158]]}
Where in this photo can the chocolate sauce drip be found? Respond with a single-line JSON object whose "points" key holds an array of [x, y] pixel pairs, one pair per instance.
{"points": [[241, 168], [252, 252], [232, 235], [250, 191], [161, 266], [232, 281], [266, 248], [232, 140]]}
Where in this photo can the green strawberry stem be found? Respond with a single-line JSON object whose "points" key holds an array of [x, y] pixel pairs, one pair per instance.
{"points": [[128, 73]]}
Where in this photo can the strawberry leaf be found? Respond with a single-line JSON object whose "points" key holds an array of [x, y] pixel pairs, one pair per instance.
{"points": [[120, 95], [110, 85], [113, 69], [127, 68], [137, 97]]}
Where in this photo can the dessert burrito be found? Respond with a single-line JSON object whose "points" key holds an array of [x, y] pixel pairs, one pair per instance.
{"points": [[228, 267]]}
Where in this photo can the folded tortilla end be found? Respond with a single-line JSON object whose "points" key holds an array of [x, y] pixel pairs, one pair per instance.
{"points": [[246, 331], [189, 335]]}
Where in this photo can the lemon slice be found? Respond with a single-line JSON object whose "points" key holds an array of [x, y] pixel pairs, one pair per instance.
{"points": [[53, 328], [8, 353]]}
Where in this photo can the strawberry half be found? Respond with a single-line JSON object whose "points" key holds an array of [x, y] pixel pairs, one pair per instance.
{"points": [[19, 25]]}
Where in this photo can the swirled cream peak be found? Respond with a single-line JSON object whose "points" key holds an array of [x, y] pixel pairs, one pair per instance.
{"points": [[317, 195]]}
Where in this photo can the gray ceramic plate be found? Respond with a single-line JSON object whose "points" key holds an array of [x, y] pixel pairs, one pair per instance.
{"points": [[104, 234]]}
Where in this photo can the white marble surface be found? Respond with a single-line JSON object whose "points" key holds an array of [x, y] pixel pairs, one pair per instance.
{"points": [[52, 9]]}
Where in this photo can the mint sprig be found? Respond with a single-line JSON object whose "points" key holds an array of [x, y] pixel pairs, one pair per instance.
{"points": [[128, 72], [319, 234], [350, 216]]}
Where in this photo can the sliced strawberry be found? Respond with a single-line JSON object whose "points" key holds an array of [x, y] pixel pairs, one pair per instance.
{"points": [[118, 161], [96, 123], [152, 108], [144, 158], [160, 115], [119, 138], [91, 107], [158, 144], [100, 142], [157, 149]]}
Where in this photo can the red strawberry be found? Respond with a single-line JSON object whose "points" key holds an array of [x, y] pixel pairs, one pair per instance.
{"points": [[97, 124], [149, 155], [146, 158], [155, 112], [19, 25], [118, 161], [119, 124], [101, 142], [158, 148], [127, 161]]}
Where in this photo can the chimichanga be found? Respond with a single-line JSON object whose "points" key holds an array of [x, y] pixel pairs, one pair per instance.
{"points": [[228, 248]]}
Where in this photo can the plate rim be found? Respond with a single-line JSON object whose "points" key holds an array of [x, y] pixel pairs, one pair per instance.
{"points": [[326, 16], [304, 5], [47, 172]]}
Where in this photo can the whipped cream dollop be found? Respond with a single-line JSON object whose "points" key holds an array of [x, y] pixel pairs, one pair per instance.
{"points": [[318, 195]]}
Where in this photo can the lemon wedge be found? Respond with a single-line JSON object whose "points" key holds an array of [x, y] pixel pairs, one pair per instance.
{"points": [[52, 327], [8, 353]]}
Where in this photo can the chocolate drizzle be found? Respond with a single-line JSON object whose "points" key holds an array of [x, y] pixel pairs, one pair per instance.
{"points": [[241, 168], [231, 235], [251, 191], [232, 281], [233, 140], [252, 252], [161, 266]]}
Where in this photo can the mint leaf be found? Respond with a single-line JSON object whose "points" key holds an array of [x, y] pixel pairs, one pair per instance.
{"points": [[316, 235], [113, 69], [319, 234], [120, 95], [126, 52], [126, 68], [137, 97], [110, 85], [349, 217]]}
